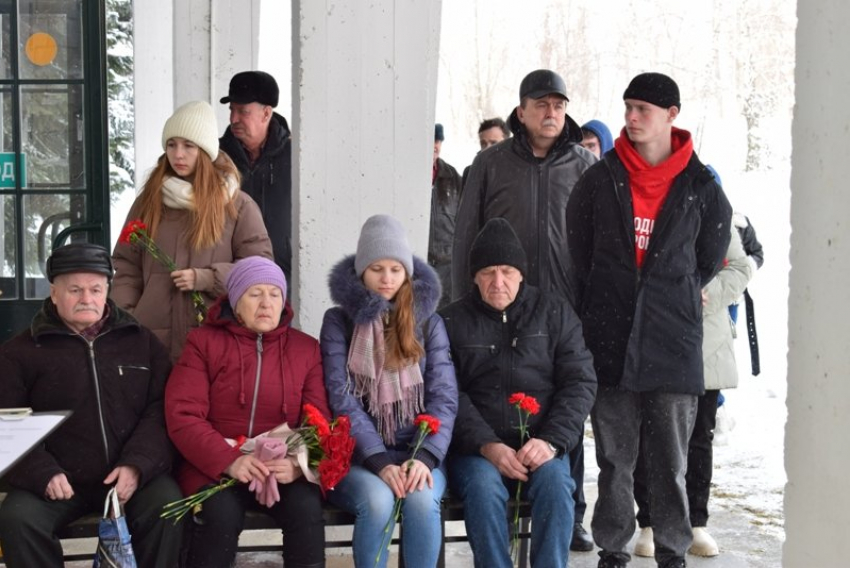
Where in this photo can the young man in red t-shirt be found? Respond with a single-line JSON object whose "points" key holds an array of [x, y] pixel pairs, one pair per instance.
{"points": [[647, 228]]}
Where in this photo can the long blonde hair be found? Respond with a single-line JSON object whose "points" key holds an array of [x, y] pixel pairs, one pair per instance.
{"points": [[403, 348], [213, 202]]}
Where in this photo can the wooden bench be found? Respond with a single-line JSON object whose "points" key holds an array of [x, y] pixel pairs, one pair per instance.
{"points": [[451, 510]]}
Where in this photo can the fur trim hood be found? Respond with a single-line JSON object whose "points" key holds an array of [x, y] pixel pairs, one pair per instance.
{"points": [[362, 305]]}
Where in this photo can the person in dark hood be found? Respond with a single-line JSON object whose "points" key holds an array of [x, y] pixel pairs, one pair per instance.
{"points": [[260, 143], [507, 337], [85, 354], [386, 358], [596, 137], [648, 229], [244, 373], [527, 180]]}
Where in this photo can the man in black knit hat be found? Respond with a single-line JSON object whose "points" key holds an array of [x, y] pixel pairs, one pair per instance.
{"points": [[648, 228], [507, 336]]}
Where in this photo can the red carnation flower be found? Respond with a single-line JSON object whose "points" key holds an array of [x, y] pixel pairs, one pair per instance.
{"points": [[530, 405], [516, 398], [427, 423]]}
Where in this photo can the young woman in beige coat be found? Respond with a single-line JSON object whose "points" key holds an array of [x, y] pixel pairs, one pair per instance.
{"points": [[195, 212]]}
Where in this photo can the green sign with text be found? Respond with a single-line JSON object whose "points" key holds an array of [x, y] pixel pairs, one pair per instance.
{"points": [[7, 170]]}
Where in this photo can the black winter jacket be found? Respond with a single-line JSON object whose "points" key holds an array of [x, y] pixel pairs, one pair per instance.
{"points": [[506, 180], [114, 386], [644, 327], [269, 182], [445, 197], [535, 346]]}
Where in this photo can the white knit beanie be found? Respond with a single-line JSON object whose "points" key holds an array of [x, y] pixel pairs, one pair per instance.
{"points": [[382, 237], [194, 121]]}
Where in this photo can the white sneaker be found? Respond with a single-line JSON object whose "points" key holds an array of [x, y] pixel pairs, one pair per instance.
{"points": [[645, 545], [704, 544]]}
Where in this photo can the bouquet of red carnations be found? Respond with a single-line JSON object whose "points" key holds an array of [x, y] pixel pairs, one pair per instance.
{"points": [[323, 450], [136, 233]]}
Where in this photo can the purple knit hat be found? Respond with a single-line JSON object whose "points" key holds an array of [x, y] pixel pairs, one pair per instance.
{"points": [[251, 271]]}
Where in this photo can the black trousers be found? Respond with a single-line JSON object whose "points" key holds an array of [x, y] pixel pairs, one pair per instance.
{"points": [[577, 473], [214, 533], [700, 466], [28, 524]]}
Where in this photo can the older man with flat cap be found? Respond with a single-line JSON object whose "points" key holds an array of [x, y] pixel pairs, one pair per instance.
{"points": [[527, 180], [260, 143], [84, 354], [506, 336]]}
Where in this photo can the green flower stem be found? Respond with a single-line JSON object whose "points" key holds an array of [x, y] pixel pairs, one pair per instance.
{"points": [[177, 509], [523, 434]]}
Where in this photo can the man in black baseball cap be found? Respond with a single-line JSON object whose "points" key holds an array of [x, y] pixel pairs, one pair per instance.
{"points": [[259, 142]]}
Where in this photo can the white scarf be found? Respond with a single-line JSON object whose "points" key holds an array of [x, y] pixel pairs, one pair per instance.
{"points": [[177, 193]]}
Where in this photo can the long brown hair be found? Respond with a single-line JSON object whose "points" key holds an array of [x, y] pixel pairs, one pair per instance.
{"points": [[213, 203], [402, 346]]}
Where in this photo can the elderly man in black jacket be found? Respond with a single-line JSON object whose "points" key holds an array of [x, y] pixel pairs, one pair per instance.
{"points": [[260, 144], [508, 336], [84, 354], [648, 229]]}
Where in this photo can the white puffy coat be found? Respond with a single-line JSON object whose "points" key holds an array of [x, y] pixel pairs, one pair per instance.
{"points": [[718, 349]]}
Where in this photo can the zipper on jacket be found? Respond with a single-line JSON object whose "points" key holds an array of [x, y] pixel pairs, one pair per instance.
{"points": [[504, 317], [136, 367], [490, 348], [93, 360], [256, 383]]}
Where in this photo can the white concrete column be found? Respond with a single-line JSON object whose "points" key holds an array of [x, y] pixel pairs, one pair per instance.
{"points": [[817, 462], [364, 91], [187, 50], [153, 77]]}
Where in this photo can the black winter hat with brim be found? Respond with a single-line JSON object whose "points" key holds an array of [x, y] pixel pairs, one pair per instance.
{"points": [[79, 257], [252, 87], [497, 244]]}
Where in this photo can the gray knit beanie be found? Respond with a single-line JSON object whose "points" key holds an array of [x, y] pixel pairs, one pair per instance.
{"points": [[194, 121], [382, 237], [250, 271]]}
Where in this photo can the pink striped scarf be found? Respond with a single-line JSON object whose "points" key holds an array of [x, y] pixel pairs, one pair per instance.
{"points": [[394, 396]]}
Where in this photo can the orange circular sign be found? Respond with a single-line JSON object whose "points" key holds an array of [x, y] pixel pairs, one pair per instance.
{"points": [[41, 48]]}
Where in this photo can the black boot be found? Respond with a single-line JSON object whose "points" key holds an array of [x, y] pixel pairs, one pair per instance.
{"points": [[581, 540], [612, 560]]}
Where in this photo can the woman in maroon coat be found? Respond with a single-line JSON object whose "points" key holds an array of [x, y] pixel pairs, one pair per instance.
{"points": [[241, 374]]}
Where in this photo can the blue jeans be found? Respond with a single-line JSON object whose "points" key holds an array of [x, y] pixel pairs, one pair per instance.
{"points": [[485, 495], [365, 495]]}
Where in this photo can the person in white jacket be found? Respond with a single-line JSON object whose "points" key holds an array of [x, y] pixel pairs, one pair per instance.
{"points": [[721, 372]]}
